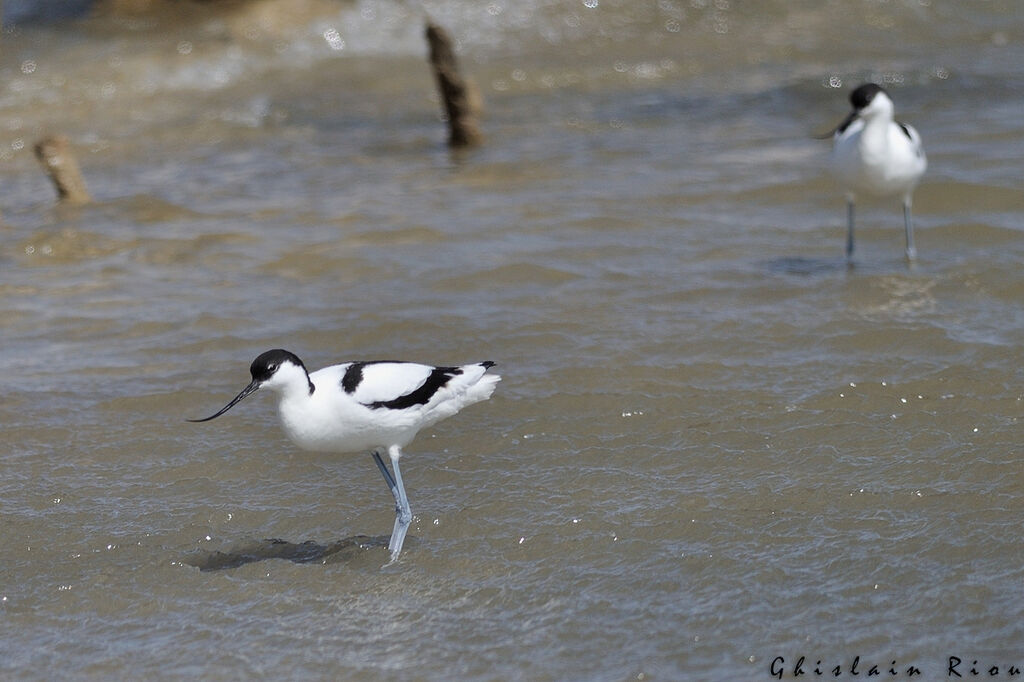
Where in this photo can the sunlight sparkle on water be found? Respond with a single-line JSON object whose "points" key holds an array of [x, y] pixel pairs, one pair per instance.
{"points": [[334, 39]]}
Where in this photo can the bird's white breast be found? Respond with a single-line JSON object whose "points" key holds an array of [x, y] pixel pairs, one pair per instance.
{"points": [[330, 420], [878, 158]]}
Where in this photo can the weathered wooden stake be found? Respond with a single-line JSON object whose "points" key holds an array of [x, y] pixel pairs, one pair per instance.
{"points": [[461, 101], [55, 154]]}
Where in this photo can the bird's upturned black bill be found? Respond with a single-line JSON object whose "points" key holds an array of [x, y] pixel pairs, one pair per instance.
{"points": [[843, 125], [237, 399]]}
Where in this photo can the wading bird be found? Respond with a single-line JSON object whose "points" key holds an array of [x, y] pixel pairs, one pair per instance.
{"points": [[875, 154], [365, 406]]}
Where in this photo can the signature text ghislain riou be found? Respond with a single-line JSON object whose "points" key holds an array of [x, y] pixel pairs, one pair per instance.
{"points": [[955, 668]]}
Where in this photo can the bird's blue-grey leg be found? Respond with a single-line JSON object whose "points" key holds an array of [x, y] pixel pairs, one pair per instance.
{"points": [[386, 474], [908, 224], [394, 491], [849, 227], [403, 515]]}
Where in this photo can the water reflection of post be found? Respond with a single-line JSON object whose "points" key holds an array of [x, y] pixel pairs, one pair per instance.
{"points": [[461, 100], [55, 154]]}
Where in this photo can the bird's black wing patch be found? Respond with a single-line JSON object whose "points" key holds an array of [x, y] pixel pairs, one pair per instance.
{"points": [[436, 380], [353, 377]]}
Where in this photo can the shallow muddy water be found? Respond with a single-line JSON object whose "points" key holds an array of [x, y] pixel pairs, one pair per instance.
{"points": [[715, 444]]}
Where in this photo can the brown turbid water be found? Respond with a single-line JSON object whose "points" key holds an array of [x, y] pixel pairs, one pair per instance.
{"points": [[716, 445]]}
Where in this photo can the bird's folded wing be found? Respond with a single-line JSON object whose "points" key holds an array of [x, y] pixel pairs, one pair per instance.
{"points": [[400, 385]]}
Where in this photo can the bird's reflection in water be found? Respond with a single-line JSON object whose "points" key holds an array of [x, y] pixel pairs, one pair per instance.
{"points": [[308, 552]]}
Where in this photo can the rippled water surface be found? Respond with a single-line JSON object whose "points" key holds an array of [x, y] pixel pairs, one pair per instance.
{"points": [[715, 443]]}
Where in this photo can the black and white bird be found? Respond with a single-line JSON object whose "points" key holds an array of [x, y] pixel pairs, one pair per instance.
{"points": [[374, 406], [875, 154]]}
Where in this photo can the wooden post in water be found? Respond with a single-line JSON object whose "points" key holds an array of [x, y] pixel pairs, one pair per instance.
{"points": [[54, 152], [461, 101]]}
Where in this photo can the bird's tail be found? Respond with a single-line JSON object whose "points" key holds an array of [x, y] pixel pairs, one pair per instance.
{"points": [[470, 386], [481, 384]]}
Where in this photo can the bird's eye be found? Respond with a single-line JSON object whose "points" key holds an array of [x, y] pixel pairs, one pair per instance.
{"points": [[271, 368]]}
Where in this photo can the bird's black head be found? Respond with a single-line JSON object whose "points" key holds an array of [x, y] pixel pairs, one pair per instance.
{"points": [[262, 369], [265, 364], [862, 96]]}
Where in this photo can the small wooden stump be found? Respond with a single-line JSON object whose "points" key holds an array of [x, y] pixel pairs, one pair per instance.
{"points": [[461, 100], [55, 154]]}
